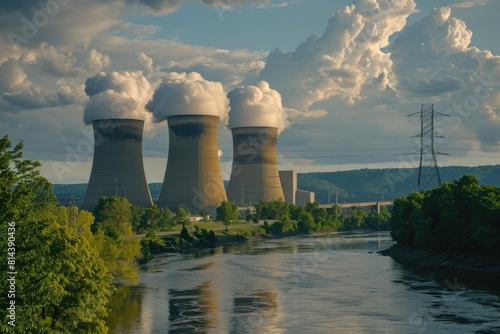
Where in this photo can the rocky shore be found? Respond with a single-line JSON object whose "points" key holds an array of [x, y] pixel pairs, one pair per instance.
{"points": [[464, 262]]}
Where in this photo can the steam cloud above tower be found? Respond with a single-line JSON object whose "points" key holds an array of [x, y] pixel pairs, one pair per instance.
{"points": [[188, 94], [257, 105], [117, 95]]}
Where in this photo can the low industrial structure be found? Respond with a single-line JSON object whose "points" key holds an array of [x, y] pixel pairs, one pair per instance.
{"points": [[292, 194]]}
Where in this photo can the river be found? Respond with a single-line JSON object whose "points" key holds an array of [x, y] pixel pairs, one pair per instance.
{"points": [[334, 283]]}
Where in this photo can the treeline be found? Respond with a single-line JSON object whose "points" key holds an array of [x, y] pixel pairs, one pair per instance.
{"points": [[290, 218], [458, 217], [64, 260]]}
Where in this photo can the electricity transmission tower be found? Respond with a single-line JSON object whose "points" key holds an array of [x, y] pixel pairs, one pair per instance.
{"points": [[428, 172]]}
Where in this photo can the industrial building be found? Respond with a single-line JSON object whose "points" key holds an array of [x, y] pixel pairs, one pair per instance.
{"points": [[117, 168], [193, 178], [293, 195], [254, 174]]}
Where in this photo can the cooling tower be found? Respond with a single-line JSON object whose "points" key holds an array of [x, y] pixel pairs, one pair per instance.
{"points": [[117, 169], [254, 175], [193, 179]]}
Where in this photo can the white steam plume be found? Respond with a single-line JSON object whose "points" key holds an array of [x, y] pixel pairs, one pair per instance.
{"points": [[257, 105], [188, 94], [117, 95]]}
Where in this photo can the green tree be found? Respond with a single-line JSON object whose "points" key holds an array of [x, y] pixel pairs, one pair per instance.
{"points": [[305, 222], [62, 285], [182, 217], [113, 238], [227, 213]]}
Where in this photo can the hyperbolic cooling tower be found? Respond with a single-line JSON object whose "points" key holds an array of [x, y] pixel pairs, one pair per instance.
{"points": [[193, 179], [117, 169], [254, 174]]}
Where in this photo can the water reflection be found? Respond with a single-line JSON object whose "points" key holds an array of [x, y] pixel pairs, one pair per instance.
{"points": [[470, 300], [255, 313], [317, 284], [124, 307], [193, 310]]}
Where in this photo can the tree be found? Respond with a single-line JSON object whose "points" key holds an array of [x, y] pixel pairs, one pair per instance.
{"points": [[113, 238], [64, 286], [182, 217], [227, 213], [305, 222], [22, 188]]}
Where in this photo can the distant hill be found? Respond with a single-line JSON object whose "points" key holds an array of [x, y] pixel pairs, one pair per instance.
{"points": [[387, 184], [350, 186]]}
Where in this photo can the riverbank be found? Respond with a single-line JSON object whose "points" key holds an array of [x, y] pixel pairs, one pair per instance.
{"points": [[463, 262]]}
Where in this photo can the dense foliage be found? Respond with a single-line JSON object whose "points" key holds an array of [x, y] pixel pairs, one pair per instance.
{"points": [[292, 218], [460, 216], [62, 284], [65, 258]]}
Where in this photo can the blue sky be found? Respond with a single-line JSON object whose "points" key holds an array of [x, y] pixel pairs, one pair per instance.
{"points": [[346, 92]]}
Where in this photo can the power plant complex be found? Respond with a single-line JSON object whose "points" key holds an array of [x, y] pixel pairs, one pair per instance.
{"points": [[193, 108], [117, 169], [193, 177]]}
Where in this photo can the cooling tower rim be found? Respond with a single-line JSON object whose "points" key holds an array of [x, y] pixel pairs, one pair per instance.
{"points": [[184, 115], [117, 119], [254, 127]]}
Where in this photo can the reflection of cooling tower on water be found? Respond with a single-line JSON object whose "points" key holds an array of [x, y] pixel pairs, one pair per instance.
{"points": [[254, 174], [193, 178], [118, 167]]}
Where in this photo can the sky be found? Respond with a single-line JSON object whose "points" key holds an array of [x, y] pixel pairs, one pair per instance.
{"points": [[344, 73]]}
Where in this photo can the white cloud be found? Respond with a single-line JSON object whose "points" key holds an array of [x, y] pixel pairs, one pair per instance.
{"points": [[51, 60], [95, 61], [12, 77], [433, 59], [340, 62], [147, 62]]}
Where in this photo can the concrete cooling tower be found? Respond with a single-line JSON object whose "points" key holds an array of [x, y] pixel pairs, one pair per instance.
{"points": [[117, 169], [254, 175], [193, 179]]}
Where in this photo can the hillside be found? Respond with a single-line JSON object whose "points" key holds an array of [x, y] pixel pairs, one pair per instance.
{"points": [[384, 184], [351, 186]]}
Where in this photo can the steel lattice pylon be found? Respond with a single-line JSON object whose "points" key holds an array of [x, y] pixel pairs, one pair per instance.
{"points": [[428, 172]]}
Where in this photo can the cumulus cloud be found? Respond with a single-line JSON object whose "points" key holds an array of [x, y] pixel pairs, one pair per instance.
{"points": [[147, 62], [12, 77], [188, 94], [257, 105], [433, 58], [51, 60], [117, 95], [348, 55], [95, 61]]}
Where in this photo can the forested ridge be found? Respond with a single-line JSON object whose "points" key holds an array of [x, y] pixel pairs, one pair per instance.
{"points": [[345, 186]]}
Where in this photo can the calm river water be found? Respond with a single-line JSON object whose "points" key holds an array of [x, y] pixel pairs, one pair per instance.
{"points": [[317, 284]]}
